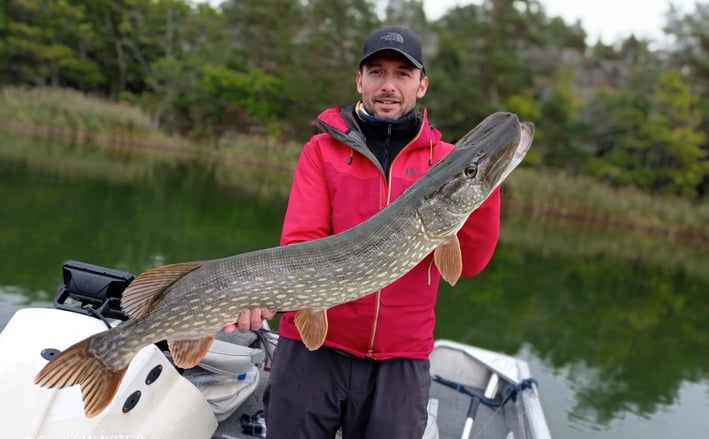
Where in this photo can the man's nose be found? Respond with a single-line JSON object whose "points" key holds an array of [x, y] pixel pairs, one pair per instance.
{"points": [[388, 83]]}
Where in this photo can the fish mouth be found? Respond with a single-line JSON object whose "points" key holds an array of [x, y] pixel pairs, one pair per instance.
{"points": [[507, 156], [525, 142], [526, 136]]}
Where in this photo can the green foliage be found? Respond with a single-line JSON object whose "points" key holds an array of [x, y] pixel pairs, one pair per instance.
{"points": [[44, 46], [3, 32], [561, 127], [265, 32], [528, 109], [612, 111], [691, 56], [676, 148], [326, 57], [659, 143], [222, 91]]}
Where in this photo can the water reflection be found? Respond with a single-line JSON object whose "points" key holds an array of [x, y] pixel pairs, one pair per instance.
{"points": [[616, 344], [631, 335], [180, 215]]}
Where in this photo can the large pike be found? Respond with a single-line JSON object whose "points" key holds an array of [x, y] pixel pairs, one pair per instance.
{"points": [[188, 303]]}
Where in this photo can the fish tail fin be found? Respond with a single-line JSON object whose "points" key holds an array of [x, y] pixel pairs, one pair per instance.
{"points": [[77, 365]]}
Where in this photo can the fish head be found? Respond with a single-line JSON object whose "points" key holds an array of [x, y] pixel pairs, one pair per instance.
{"points": [[479, 163], [484, 157]]}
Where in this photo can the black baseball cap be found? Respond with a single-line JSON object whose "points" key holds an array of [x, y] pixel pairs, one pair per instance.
{"points": [[398, 38]]}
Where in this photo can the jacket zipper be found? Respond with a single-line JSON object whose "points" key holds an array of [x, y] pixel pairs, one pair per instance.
{"points": [[385, 160], [387, 151], [370, 350]]}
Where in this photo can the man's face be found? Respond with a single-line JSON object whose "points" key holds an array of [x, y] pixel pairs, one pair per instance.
{"points": [[390, 85]]}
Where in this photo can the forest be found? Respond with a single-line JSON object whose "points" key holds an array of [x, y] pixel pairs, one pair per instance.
{"points": [[631, 113]]}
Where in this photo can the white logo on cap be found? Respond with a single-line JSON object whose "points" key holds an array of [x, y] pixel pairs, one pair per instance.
{"points": [[393, 36]]}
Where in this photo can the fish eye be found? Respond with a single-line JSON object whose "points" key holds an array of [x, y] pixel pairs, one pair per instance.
{"points": [[471, 170]]}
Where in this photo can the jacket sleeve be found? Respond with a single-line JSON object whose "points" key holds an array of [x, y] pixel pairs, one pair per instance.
{"points": [[309, 209], [478, 237]]}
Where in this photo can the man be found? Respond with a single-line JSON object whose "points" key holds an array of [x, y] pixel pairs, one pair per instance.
{"points": [[371, 378]]}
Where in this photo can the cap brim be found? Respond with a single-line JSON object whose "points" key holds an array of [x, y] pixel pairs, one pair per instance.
{"points": [[411, 59]]}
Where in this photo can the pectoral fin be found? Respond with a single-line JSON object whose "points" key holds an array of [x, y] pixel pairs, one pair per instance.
{"points": [[312, 326], [449, 260], [188, 353]]}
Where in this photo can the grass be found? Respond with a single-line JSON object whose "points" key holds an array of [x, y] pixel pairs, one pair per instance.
{"points": [[69, 110], [67, 132], [586, 201]]}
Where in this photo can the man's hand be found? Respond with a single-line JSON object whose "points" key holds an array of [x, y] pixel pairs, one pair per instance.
{"points": [[250, 320]]}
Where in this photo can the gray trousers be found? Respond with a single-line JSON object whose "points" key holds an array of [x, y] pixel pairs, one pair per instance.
{"points": [[313, 394]]}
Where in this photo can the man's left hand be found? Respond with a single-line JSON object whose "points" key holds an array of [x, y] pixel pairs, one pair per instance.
{"points": [[250, 320]]}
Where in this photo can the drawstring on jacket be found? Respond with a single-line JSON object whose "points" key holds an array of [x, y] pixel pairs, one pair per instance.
{"points": [[430, 152]]}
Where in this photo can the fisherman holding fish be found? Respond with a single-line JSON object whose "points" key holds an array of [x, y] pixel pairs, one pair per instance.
{"points": [[371, 376], [380, 210]]}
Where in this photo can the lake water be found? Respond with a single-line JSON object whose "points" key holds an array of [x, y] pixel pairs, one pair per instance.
{"points": [[618, 347]]}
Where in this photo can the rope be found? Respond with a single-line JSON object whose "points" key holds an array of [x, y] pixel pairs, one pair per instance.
{"points": [[268, 345], [510, 392]]}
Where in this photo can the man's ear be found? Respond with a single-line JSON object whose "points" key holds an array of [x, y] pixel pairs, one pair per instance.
{"points": [[358, 81], [423, 87]]}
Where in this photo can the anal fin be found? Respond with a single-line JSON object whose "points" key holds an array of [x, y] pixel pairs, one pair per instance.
{"points": [[312, 326], [189, 352]]}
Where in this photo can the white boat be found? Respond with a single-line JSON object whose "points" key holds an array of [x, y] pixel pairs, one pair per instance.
{"points": [[475, 393]]}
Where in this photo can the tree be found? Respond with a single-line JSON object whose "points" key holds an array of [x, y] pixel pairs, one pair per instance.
{"points": [[690, 55], [265, 32], [457, 96], [658, 145], [48, 44], [205, 84], [674, 139], [408, 13], [326, 57], [561, 129], [493, 54], [3, 34], [132, 35]]}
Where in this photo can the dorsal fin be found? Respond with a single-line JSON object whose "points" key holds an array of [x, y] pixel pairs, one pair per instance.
{"points": [[147, 287], [449, 260]]}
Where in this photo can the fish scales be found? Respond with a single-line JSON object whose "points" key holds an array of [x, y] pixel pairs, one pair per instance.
{"points": [[356, 260]]}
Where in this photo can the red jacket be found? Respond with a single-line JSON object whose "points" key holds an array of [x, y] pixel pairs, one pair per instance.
{"points": [[338, 184]]}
